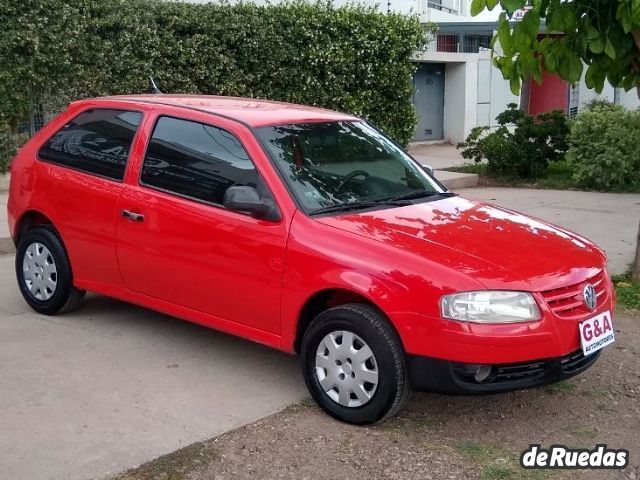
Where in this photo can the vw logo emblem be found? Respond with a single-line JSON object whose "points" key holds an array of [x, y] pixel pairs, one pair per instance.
{"points": [[590, 297]]}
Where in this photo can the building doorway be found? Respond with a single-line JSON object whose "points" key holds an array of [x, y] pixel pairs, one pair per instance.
{"points": [[428, 98]]}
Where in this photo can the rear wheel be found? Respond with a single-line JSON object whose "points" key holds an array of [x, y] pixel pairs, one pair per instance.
{"points": [[354, 364], [44, 273]]}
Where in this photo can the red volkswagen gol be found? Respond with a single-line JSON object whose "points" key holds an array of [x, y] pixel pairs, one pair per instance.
{"points": [[309, 231]]}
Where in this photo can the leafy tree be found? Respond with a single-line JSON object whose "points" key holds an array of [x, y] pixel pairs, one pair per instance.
{"points": [[603, 35]]}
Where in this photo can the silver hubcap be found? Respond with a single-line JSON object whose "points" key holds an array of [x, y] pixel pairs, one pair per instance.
{"points": [[40, 273], [346, 369]]}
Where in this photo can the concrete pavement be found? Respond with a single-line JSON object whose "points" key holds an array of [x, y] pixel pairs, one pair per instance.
{"points": [[6, 245], [4, 182], [4, 227], [438, 155], [609, 219], [441, 156], [92, 393]]}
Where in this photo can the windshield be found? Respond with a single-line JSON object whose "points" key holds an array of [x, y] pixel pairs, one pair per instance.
{"points": [[343, 164]]}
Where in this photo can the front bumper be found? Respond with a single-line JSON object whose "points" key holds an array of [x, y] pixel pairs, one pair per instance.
{"points": [[555, 334], [443, 376]]}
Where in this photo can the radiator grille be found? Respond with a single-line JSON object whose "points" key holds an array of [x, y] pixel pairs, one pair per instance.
{"points": [[568, 302]]}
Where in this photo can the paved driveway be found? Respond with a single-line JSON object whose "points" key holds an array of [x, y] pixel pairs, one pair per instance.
{"points": [[87, 394], [91, 393], [609, 219]]}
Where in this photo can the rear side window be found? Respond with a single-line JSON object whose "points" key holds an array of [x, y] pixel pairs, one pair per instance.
{"points": [[96, 141], [196, 160]]}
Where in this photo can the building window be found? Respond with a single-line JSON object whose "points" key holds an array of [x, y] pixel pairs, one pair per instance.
{"points": [[447, 43], [474, 43]]}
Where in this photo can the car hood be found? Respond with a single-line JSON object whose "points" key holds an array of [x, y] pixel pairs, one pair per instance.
{"points": [[498, 247]]}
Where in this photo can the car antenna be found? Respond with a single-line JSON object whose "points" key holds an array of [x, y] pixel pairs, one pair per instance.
{"points": [[154, 87]]}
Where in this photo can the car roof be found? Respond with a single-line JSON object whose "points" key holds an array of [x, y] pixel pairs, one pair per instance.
{"points": [[251, 111]]}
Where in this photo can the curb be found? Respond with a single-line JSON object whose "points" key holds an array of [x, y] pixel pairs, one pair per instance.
{"points": [[426, 143], [6, 243], [456, 180], [6, 246], [4, 182]]}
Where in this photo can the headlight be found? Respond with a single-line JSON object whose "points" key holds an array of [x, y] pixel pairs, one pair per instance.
{"points": [[490, 307]]}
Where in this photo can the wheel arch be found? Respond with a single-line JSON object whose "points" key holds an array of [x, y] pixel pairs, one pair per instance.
{"points": [[29, 219], [327, 298]]}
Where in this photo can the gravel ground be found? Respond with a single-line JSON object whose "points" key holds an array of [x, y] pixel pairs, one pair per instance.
{"points": [[437, 436]]}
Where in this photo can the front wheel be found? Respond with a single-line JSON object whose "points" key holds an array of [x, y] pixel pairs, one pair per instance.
{"points": [[44, 273], [354, 364]]}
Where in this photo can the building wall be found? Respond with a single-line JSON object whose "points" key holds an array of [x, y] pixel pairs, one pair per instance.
{"points": [[630, 99], [459, 111], [494, 93], [627, 99], [474, 92], [460, 91], [586, 95]]}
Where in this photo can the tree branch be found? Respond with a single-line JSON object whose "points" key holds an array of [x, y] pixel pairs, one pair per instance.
{"points": [[635, 270], [636, 37]]}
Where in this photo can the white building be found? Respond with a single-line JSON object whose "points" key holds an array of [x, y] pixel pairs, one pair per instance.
{"points": [[456, 85]]}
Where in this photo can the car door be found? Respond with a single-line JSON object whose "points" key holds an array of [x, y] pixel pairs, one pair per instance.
{"points": [[176, 241], [82, 168]]}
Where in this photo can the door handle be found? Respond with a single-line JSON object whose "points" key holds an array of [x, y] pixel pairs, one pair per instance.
{"points": [[134, 217]]}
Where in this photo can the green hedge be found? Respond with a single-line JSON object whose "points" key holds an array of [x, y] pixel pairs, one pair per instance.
{"points": [[605, 152], [351, 59]]}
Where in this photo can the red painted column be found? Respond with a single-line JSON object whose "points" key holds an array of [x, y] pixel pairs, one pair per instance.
{"points": [[552, 94]]}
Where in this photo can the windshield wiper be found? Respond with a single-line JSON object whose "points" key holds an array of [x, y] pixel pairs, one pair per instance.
{"points": [[419, 194], [398, 200], [342, 207]]}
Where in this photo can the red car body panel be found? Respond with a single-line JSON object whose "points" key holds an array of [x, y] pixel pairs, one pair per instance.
{"points": [[251, 112], [481, 240], [253, 277]]}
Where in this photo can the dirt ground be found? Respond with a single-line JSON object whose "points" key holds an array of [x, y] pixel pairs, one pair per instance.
{"points": [[436, 437]]}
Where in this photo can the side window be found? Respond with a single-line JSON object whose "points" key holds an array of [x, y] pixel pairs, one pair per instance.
{"points": [[196, 160], [96, 141]]}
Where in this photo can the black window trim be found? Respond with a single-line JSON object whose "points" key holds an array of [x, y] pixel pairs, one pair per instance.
{"points": [[253, 131], [265, 149], [93, 174], [273, 161], [189, 197]]}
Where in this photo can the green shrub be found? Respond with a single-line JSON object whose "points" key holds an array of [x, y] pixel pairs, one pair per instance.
{"points": [[599, 102], [352, 59], [604, 148], [9, 144], [522, 146]]}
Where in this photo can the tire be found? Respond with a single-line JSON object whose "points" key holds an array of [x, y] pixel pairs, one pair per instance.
{"points": [[44, 273], [326, 364]]}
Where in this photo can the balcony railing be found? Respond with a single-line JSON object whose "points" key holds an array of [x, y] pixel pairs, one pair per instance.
{"points": [[439, 6], [459, 42]]}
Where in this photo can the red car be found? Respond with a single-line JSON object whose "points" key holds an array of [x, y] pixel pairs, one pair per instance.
{"points": [[309, 231]]}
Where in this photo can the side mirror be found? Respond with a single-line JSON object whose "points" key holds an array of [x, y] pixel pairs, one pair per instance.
{"points": [[428, 169], [246, 199]]}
